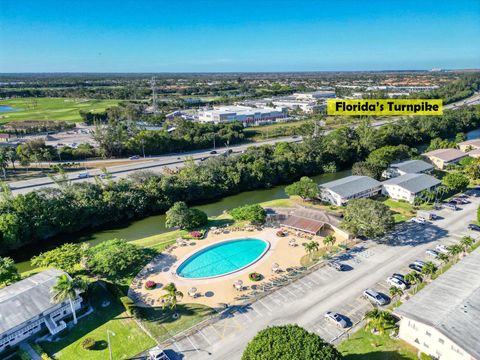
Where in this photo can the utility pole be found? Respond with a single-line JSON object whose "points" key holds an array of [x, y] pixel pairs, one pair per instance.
{"points": [[109, 346]]}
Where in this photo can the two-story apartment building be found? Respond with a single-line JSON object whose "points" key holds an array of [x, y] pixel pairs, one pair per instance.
{"points": [[26, 308], [407, 167], [441, 158], [407, 187], [338, 192]]}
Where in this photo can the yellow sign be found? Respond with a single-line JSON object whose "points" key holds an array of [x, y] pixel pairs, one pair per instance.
{"points": [[384, 107]]}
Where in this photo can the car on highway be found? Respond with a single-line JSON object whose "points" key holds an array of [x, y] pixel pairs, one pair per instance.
{"points": [[374, 297], [336, 265], [83, 175], [213, 152], [416, 267], [431, 253], [336, 318], [419, 220], [474, 227], [399, 284], [442, 249], [134, 157]]}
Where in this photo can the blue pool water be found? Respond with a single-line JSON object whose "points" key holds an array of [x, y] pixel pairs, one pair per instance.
{"points": [[6, 108], [223, 258]]}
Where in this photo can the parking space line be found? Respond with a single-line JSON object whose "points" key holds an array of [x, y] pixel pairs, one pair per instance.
{"points": [[191, 342], [253, 308], [263, 304], [201, 333]]}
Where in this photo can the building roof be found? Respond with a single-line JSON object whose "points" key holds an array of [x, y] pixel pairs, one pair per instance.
{"points": [[311, 220], [299, 223], [26, 299], [451, 304], [473, 142], [413, 182], [351, 185], [446, 155], [412, 166]]}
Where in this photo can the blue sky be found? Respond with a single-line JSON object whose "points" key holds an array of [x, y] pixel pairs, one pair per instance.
{"points": [[277, 35]]}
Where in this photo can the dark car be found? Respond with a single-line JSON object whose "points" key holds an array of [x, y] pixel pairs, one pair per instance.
{"points": [[415, 267], [474, 227], [213, 152], [337, 266], [400, 277]]}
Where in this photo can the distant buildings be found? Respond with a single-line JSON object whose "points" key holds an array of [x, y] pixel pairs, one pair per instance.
{"points": [[407, 167], [26, 308], [402, 89], [408, 186], [442, 320], [441, 158], [339, 192], [244, 114]]}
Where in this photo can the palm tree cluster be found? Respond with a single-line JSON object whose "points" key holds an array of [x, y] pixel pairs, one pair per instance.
{"points": [[171, 297], [379, 320], [311, 247]]}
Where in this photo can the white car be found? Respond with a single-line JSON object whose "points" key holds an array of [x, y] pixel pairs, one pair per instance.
{"points": [[432, 253], [397, 283], [336, 318], [419, 220], [441, 249], [419, 263]]}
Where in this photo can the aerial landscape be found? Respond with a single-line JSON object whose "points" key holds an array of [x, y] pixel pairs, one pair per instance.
{"points": [[263, 180]]}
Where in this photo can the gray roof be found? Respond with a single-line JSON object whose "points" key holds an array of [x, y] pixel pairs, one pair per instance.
{"points": [[414, 182], [412, 166], [351, 185], [26, 299], [451, 304], [446, 155]]}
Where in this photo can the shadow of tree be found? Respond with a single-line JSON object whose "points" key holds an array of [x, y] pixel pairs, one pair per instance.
{"points": [[377, 355]]}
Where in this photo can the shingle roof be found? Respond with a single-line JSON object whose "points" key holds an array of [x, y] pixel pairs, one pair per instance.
{"points": [[413, 182], [451, 304], [26, 299], [351, 185], [412, 166], [473, 142], [446, 154]]}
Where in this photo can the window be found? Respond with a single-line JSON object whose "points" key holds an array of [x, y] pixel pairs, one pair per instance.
{"points": [[426, 345], [441, 341], [427, 333]]}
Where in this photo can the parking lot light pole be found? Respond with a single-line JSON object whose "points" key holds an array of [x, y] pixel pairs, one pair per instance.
{"points": [[109, 346]]}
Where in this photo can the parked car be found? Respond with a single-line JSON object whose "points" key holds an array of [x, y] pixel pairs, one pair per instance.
{"points": [[336, 265], [427, 215], [213, 152], [157, 354], [474, 227], [442, 249], [134, 157], [83, 175], [336, 318], [401, 278], [419, 220], [431, 253], [373, 296], [450, 206], [419, 263], [392, 281], [416, 267]]}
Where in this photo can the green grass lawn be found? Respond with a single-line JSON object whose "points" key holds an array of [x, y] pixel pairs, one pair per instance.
{"points": [[363, 345], [52, 108], [128, 341], [160, 324]]}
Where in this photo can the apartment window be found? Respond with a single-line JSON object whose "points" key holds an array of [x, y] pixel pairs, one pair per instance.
{"points": [[441, 341], [426, 345], [427, 333]]}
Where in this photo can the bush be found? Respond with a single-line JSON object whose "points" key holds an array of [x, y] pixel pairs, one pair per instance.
{"points": [[88, 343], [179, 215], [150, 284], [424, 356], [253, 213], [197, 234], [255, 276]]}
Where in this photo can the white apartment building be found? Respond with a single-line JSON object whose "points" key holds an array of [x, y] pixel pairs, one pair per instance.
{"points": [[408, 186], [245, 114], [26, 308], [339, 192], [442, 320]]}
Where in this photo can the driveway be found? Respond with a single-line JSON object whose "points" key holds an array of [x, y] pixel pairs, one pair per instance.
{"points": [[305, 301]]}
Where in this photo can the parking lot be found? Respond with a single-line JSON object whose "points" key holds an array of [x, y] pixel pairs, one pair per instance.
{"points": [[305, 301]]}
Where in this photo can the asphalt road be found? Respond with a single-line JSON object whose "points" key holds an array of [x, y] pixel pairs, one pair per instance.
{"points": [[305, 301]]}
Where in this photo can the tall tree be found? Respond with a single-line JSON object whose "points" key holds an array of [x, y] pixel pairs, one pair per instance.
{"points": [[66, 289], [8, 271]]}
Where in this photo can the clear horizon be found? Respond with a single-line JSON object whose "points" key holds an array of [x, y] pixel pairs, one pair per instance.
{"points": [[258, 36]]}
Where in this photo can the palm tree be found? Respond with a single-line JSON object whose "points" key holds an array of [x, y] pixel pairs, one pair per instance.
{"points": [[379, 320], [67, 288], [329, 240], [454, 250], [466, 242], [429, 269], [311, 247], [443, 258], [395, 291], [413, 278], [172, 296]]}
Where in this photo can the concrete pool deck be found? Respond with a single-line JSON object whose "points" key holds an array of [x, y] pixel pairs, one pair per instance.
{"points": [[215, 292]]}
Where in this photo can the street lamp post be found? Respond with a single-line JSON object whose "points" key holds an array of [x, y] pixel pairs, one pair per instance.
{"points": [[109, 346]]}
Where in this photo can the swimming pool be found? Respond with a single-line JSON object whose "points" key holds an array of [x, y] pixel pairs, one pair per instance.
{"points": [[223, 258]]}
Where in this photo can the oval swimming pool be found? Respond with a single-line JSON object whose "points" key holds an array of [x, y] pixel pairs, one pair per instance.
{"points": [[223, 258]]}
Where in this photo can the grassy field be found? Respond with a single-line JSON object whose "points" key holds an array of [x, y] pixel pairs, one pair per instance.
{"points": [[363, 345], [52, 108], [129, 339]]}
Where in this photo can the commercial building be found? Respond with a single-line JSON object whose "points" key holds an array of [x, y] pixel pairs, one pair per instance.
{"points": [[442, 320], [338, 192], [26, 308], [441, 158], [409, 186], [407, 167], [244, 114], [469, 145], [316, 95]]}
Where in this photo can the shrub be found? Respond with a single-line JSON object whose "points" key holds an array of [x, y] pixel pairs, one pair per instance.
{"points": [[88, 343], [255, 276], [253, 213], [196, 234], [150, 284]]}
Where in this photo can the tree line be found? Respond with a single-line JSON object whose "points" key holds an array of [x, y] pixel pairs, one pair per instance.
{"points": [[37, 216]]}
